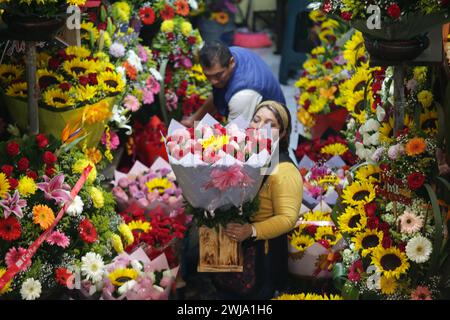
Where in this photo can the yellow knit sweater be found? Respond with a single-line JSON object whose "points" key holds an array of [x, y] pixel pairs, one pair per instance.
{"points": [[280, 201]]}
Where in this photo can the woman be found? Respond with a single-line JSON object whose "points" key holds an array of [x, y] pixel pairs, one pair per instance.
{"points": [[264, 240]]}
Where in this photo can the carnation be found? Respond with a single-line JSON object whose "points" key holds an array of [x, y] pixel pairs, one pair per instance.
{"points": [[117, 50]]}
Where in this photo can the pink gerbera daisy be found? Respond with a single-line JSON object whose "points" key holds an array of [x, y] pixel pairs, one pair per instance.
{"points": [[13, 255], [421, 293], [58, 238], [410, 223]]}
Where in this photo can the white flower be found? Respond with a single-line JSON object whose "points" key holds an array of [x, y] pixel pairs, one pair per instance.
{"points": [[167, 274], [193, 4], [126, 286], [419, 249], [351, 124], [31, 289], [158, 288], [76, 207], [155, 73], [381, 113], [92, 266], [121, 70], [375, 139], [372, 125], [134, 60], [151, 276], [136, 265], [120, 119], [13, 130]]}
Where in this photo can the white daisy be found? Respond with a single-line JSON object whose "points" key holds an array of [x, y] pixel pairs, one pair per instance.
{"points": [[92, 266], [76, 207], [31, 289], [419, 249]]}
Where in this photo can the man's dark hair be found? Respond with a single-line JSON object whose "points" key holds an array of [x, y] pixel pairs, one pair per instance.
{"points": [[215, 52]]}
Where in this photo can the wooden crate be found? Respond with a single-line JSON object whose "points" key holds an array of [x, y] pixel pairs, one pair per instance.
{"points": [[218, 253]]}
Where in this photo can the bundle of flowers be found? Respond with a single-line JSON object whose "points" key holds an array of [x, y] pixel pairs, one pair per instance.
{"points": [[308, 296], [151, 12], [129, 276], [35, 181], [315, 244], [148, 187], [40, 8], [217, 166]]}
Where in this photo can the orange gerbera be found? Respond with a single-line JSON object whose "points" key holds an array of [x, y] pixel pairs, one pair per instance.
{"points": [[43, 216], [130, 70], [221, 17], [182, 7], [415, 146]]}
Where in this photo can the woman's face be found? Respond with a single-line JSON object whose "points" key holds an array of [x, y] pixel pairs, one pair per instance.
{"points": [[263, 117]]}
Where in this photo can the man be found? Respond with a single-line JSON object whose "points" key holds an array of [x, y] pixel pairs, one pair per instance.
{"points": [[240, 80]]}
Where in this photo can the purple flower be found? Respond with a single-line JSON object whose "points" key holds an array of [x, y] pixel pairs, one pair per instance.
{"points": [[395, 151], [55, 188], [135, 192], [120, 195], [377, 154], [13, 205], [142, 54], [117, 50]]}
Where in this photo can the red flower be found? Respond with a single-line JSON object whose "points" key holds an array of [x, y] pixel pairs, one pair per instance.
{"points": [[102, 26], [192, 40], [324, 243], [147, 15], [50, 171], [12, 148], [416, 180], [49, 158], [167, 13], [372, 223], [327, 6], [371, 209], [53, 63], [93, 79], [10, 229], [63, 276], [394, 11], [355, 271], [65, 86], [387, 242], [32, 174], [402, 246], [83, 80], [384, 226], [13, 183], [23, 164], [87, 231], [182, 7], [311, 230], [7, 169], [347, 16], [41, 141]]}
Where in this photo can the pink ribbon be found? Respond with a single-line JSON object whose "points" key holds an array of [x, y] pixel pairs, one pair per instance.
{"points": [[231, 177]]}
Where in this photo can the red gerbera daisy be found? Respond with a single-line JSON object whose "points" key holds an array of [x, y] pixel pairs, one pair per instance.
{"points": [[167, 13], [147, 15], [62, 276], [182, 7], [87, 231], [10, 229]]}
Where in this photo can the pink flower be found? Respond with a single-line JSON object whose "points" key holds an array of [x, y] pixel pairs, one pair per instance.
{"points": [[421, 293], [13, 205], [120, 195], [148, 96], [131, 103], [231, 177], [171, 101], [153, 85], [58, 238], [55, 188], [142, 54], [114, 141], [14, 255], [410, 223], [355, 271]]}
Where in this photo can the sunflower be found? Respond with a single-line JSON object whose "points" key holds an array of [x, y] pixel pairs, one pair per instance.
{"points": [[4, 185], [79, 52], [328, 234], [356, 105], [317, 16], [352, 220], [334, 149], [359, 193], [140, 226], [357, 82], [429, 123], [17, 90], [43, 216], [126, 233], [367, 241], [159, 184], [317, 105], [368, 172], [57, 98], [119, 276], [354, 49], [301, 242], [327, 36], [390, 262], [7, 287], [10, 72], [79, 67], [415, 146], [85, 93], [387, 129], [111, 81], [388, 285], [87, 30], [47, 78]]}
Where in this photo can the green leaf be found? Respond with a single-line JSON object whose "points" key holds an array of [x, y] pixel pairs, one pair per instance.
{"points": [[162, 96], [350, 291], [444, 182], [438, 231], [339, 276]]}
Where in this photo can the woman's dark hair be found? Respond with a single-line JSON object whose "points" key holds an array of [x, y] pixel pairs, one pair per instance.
{"points": [[284, 142], [215, 52]]}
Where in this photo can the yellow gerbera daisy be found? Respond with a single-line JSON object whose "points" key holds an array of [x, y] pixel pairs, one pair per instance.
{"points": [[112, 82], [43, 216], [117, 243], [388, 285], [334, 149], [26, 186], [119, 276], [57, 98], [359, 193], [140, 226], [352, 220], [126, 233], [9, 72], [159, 184], [368, 172], [4, 185], [17, 90], [7, 287], [367, 241], [391, 262]]}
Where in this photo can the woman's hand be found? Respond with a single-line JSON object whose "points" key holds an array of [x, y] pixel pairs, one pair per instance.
{"points": [[238, 232]]}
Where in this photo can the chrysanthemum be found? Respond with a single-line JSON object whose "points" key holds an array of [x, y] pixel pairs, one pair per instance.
{"points": [[26, 186], [76, 207], [13, 255], [4, 185], [119, 276], [140, 226], [158, 184], [419, 249], [167, 26], [7, 287], [186, 28], [390, 262], [421, 293], [425, 98], [31, 289], [17, 90], [81, 164], [367, 241], [92, 266], [410, 223], [352, 220], [97, 197], [126, 233], [43, 216], [117, 243], [359, 193], [388, 285], [10, 229], [58, 238], [415, 146]]}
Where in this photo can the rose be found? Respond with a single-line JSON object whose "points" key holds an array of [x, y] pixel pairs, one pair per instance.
{"points": [[7, 169], [49, 158], [41, 141], [394, 11], [23, 164], [370, 209], [416, 180], [12, 148], [50, 171]]}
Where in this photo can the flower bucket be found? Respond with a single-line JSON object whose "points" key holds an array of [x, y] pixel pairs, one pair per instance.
{"points": [[54, 121]]}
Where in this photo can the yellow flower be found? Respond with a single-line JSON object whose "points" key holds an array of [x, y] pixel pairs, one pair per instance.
{"points": [[111, 81], [308, 296], [93, 154], [57, 98], [81, 164], [215, 143], [318, 50], [302, 82], [48, 78], [167, 26], [429, 122], [79, 67], [17, 90], [387, 129], [117, 243], [10, 72], [305, 118], [85, 93], [420, 73], [367, 241], [140, 226], [368, 172], [4, 185], [359, 193], [357, 105], [388, 285], [327, 233], [335, 149], [354, 49], [7, 287], [425, 98], [186, 28], [159, 184], [26, 186], [88, 28], [76, 2], [317, 16], [42, 60], [317, 105], [391, 262], [97, 197], [43, 216], [196, 72], [352, 220], [97, 112], [119, 276], [121, 11], [79, 52], [311, 66], [301, 242], [126, 233]]}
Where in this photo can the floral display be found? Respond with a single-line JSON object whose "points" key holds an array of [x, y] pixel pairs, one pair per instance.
{"points": [[42, 8]]}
